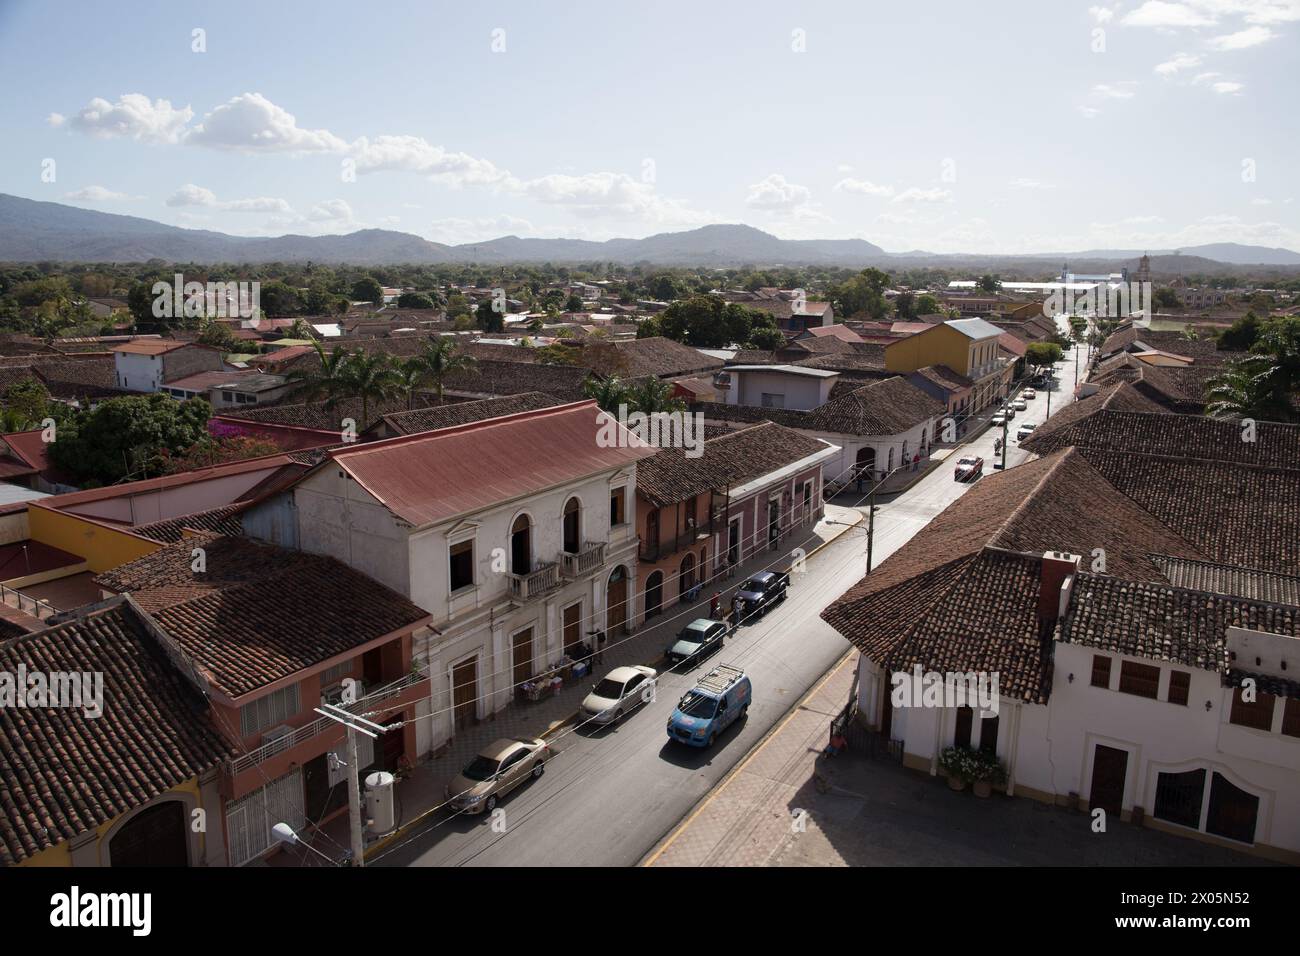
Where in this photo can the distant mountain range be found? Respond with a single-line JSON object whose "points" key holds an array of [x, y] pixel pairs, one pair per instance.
{"points": [[32, 231]]}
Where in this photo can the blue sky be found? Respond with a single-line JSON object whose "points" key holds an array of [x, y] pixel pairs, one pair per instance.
{"points": [[950, 127]]}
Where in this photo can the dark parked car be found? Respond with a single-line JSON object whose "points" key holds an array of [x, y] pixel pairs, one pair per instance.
{"points": [[760, 593], [696, 641]]}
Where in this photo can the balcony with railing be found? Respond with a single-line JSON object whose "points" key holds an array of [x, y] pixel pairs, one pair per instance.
{"points": [[525, 587], [587, 559], [663, 546], [251, 769]]}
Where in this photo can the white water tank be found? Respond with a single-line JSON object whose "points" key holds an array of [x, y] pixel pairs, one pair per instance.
{"points": [[379, 802]]}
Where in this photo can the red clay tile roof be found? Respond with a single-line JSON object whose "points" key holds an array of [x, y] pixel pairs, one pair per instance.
{"points": [[433, 476], [888, 406], [657, 356], [1165, 623], [730, 459], [463, 413], [66, 774], [260, 613], [224, 521]]}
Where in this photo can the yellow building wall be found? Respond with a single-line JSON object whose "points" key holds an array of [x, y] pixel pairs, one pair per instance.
{"points": [[937, 346], [61, 855], [103, 548]]}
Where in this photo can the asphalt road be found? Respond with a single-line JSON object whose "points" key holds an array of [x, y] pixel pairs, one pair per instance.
{"points": [[609, 796]]}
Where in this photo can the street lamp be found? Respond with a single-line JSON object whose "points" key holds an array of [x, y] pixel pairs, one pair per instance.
{"points": [[285, 834]]}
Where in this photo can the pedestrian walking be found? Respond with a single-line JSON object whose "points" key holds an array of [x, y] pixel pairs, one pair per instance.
{"points": [[715, 606], [916, 462]]}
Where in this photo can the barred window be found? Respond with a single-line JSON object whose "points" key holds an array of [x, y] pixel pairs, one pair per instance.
{"points": [[275, 708]]}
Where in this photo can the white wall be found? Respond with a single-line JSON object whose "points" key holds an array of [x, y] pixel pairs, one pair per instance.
{"points": [[799, 391], [139, 373]]}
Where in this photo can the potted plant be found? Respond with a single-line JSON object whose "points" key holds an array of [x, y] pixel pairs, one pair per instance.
{"points": [[987, 772], [954, 763]]}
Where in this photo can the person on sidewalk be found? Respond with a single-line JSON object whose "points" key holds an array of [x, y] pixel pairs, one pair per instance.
{"points": [[715, 606], [916, 462], [837, 745]]}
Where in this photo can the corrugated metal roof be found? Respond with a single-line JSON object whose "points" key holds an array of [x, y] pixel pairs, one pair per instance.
{"points": [[433, 476]]}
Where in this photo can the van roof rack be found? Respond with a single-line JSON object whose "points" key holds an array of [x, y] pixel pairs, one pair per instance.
{"points": [[720, 678]]}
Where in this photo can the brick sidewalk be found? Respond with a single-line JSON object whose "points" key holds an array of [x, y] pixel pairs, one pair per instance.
{"points": [[860, 811], [424, 788]]}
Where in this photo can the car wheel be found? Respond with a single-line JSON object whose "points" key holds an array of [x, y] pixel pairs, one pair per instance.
{"points": [[744, 710], [539, 768], [713, 739], [491, 803], [618, 715]]}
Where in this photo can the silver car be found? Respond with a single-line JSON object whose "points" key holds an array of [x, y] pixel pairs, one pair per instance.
{"points": [[499, 767], [622, 691]]}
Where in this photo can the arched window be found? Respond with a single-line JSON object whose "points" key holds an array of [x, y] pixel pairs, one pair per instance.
{"points": [[572, 525], [654, 594], [521, 546]]}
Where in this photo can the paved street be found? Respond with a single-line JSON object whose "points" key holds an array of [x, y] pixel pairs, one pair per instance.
{"points": [[609, 796]]}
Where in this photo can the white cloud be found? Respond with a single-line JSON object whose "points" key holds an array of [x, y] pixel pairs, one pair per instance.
{"points": [[252, 123], [1089, 112], [844, 168], [1242, 39], [1157, 13], [916, 194], [331, 210], [417, 155], [1180, 61], [454, 231], [134, 116], [863, 187], [192, 195], [1023, 183], [1228, 87], [98, 194], [776, 192], [1205, 77], [1115, 91], [1102, 14]]}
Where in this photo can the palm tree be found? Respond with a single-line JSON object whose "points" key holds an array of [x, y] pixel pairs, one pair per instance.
{"points": [[609, 393], [369, 376], [1244, 389], [652, 395], [441, 358], [325, 380], [408, 376]]}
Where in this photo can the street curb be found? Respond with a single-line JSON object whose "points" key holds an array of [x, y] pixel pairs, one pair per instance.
{"points": [[649, 859], [559, 725]]}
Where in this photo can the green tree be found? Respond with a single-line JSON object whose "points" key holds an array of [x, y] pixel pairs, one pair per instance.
{"points": [[441, 358], [609, 393], [1043, 354], [27, 403], [766, 338], [279, 300], [927, 304], [368, 289], [370, 377], [989, 283], [128, 437], [574, 304], [219, 336], [326, 379], [1241, 335], [706, 321], [415, 300], [651, 395], [1244, 389]]}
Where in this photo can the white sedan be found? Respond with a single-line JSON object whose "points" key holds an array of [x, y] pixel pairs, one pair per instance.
{"points": [[622, 691]]}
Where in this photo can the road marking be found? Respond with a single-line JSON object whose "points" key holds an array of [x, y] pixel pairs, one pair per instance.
{"points": [[757, 749]]}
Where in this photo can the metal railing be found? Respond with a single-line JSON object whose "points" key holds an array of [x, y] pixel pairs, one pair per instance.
{"points": [[26, 603], [588, 558], [280, 744]]}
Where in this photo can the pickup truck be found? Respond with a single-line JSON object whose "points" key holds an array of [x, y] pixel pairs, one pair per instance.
{"points": [[759, 594], [711, 706]]}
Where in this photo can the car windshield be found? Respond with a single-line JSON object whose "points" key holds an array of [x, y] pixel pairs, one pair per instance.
{"points": [[752, 585], [610, 689], [691, 635], [480, 768], [696, 704], [966, 461]]}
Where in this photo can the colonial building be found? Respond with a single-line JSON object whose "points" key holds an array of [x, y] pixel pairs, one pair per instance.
{"points": [[517, 534]]}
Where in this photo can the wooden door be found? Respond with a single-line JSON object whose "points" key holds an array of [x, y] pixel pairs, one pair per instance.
{"points": [[523, 646], [1109, 768], [616, 603], [572, 628], [464, 691]]}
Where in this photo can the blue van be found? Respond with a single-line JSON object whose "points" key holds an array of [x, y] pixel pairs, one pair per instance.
{"points": [[710, 707]]}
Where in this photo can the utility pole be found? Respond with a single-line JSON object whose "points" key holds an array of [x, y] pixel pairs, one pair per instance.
{"points": [[871, 525], [355, 724]]}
